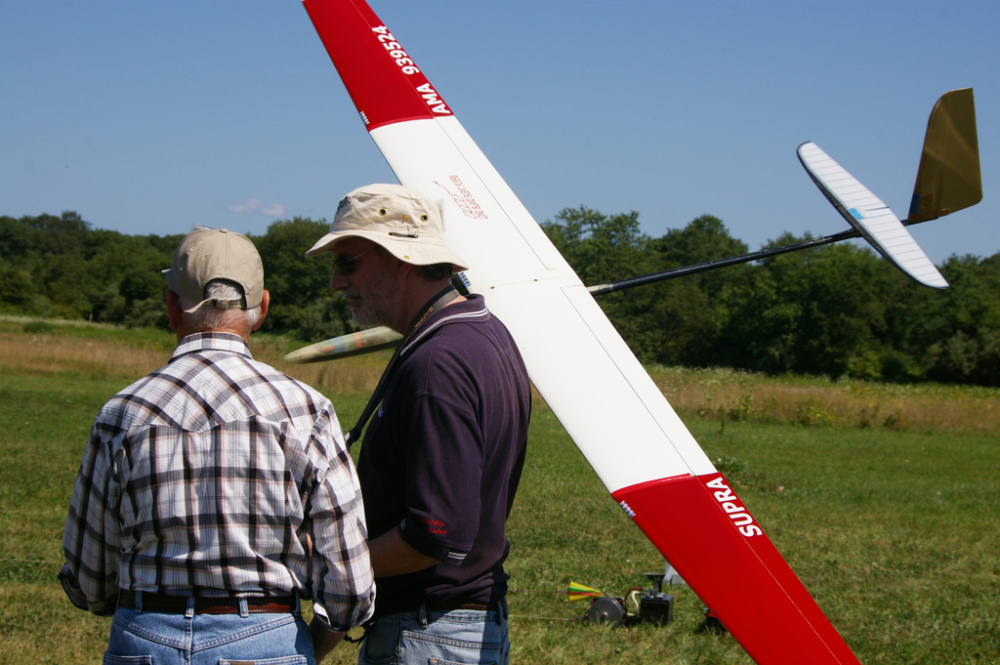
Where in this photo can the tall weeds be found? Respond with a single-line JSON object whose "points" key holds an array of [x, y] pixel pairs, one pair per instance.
{"points": [[48, 352], [717, 394], [726, 395]]}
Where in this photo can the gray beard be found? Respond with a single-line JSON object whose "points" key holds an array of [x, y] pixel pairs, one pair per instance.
{"points": [[379, 305]]}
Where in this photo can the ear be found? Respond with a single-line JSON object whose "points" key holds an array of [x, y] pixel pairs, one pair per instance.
{"points": [[402, 269], [174, 314], [265, 303]]}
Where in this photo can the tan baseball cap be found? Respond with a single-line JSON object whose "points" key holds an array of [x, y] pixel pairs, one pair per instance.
{"points": [[404, 221], [207, 254]]}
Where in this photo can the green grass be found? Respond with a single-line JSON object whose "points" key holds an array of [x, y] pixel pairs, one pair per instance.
{"points": [[894, 533]]}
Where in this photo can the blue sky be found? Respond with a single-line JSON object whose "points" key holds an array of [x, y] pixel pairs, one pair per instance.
{"points": [[151, 117]]}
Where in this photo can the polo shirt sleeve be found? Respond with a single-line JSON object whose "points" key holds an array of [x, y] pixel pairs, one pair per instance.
{"points": [[444, 454]]}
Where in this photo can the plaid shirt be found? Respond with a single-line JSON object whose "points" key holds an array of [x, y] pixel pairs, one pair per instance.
{"points": [[206, 478]]}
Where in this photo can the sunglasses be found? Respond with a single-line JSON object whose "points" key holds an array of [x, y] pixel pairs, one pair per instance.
{"points": [[345, 265]]}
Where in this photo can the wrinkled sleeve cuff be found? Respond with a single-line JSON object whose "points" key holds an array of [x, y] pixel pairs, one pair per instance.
{"points": [[320, 613], [79, 599]]}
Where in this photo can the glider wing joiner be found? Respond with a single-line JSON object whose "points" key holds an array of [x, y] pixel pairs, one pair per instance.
{"points": [[608, 404]]}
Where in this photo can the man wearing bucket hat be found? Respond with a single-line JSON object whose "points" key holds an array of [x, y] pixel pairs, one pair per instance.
{"points": [[216, 492], [442, 457]]}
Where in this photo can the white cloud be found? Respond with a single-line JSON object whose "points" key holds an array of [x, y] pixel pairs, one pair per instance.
{"points": [[257, 206]]}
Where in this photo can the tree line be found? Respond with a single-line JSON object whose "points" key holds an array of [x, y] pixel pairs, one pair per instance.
{"points": [[62, 267], [838, 310]]}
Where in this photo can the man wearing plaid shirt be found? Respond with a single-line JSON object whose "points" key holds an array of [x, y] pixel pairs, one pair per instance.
{"points": [[217, 491]]}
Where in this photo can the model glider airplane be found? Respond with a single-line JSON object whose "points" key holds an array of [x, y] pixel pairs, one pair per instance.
{"points": [[644, 454]]}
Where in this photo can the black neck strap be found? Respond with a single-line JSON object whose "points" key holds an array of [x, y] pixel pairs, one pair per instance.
{"points": [[442, 298]]}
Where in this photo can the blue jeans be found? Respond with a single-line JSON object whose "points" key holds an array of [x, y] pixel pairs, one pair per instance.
{"points": [[145, 638], [459, 637]]}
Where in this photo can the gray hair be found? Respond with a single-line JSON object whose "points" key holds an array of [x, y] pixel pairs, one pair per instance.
{"points": [[211, 318]]}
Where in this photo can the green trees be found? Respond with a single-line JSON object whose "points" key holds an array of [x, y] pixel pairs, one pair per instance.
{"points": [[44, 261], [819, 311], [838, 310], [61, 267], [964, 325], [691, 313], [303, 303]]}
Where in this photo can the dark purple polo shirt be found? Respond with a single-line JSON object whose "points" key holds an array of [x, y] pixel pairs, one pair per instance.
{"points": [[442, 457]]}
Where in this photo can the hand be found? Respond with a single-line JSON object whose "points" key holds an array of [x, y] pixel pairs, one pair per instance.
{"points": [[391, 555], [324, 639]]}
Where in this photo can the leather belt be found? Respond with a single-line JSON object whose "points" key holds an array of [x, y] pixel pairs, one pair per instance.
{"points": [[482, 607], [158, 602]]}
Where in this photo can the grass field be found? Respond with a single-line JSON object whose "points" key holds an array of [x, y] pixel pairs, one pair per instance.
{"points": [[884, 500]]}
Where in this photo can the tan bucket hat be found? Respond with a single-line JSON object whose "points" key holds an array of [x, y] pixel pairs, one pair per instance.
{"points": [[403, 221], [207, 254]]}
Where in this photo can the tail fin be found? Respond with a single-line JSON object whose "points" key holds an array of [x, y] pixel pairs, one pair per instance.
{"points": [[948, 178], [870, 216]]}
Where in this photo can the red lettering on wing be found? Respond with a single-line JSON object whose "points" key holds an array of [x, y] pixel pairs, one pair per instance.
{"points": [[463, 198]]}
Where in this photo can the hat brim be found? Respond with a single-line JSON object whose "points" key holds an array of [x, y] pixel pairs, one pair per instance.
{"points": [[415, 253]]}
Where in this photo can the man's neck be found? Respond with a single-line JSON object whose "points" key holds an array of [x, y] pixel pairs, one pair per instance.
{"points": [[425, 297], [181, 334]]}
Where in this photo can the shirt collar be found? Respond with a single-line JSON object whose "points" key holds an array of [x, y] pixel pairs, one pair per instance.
{"points": [[472, 310], [212, 341]]}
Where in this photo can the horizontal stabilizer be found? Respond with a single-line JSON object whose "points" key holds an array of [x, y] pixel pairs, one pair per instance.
{"points": [[870, 216], [948, 178]]}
